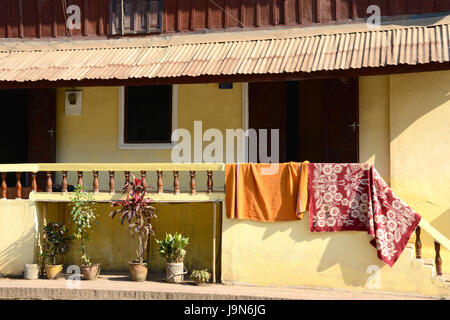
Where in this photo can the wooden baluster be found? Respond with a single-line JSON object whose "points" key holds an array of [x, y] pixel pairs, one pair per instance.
{"points": [[95, 182], [143, 177], [33, 182], [112, 188], [80, 178], [18, 186], [159, 182], [4, 187], [49, 182], [176, 183], [64, 181], [418, 244], [193, 184], [127, 177], [438, 260], [210, 181]]}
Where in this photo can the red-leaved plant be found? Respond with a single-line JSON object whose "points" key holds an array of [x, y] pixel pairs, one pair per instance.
{"points": [[136, 208]]}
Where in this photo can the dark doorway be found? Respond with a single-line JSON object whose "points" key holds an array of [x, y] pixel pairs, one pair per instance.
{"points": [[29, 126], [14, 140], [267, 110], [318, 119]]}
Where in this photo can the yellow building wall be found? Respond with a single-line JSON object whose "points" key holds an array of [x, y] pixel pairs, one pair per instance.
{"points": [[18, 235], [404, 121], [287, 254], [420, 149], [374, 123], [94, 135]]}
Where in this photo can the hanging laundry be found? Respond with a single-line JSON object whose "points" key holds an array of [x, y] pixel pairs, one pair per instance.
{"points": [[252, 195], [355, 197]]}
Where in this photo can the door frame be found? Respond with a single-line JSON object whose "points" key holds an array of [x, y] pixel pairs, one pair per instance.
{"points": [[245, 116]]}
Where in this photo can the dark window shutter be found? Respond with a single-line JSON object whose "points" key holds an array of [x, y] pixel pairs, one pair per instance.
{"points": [[148, 114], [115, 16], [139, 16], [154, 15]]}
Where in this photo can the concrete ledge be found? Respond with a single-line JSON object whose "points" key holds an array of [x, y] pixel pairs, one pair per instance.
{"points": [[92, 294], [119, 287]]}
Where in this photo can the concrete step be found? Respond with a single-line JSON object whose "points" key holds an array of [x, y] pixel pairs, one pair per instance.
{"points": [[428, 261], [446, 277]]}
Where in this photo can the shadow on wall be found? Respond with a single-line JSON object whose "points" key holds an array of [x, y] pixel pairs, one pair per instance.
{"points": [[441, 223], [414, 95], [194, 221], [432, 19], [112, 245], [20, 252], [284, 251], [351, 251]]}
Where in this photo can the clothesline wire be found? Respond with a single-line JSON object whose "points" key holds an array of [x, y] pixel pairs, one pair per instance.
{"points": [[226, 12]]}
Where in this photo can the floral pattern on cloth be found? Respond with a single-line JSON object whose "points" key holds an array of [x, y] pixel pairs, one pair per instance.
{"points": [[354, 197]]}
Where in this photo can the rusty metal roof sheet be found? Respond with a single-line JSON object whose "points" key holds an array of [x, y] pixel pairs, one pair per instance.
{"points": [[234, 53]]}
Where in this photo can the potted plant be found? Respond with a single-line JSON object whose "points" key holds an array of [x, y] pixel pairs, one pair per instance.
{"points": [[200, 276], [57, 242], [84, 216], [139, 212], [172, 248]]}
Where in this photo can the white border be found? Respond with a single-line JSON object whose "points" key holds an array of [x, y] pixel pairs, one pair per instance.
{"points": [[143, 146]]}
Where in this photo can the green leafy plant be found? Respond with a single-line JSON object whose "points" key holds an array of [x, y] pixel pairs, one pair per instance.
{"points": [[201, 275], [84, 217], [139, 212], [172, 247], [57, 242]]}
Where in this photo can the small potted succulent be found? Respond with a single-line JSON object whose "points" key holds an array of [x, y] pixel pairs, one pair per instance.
{"points": [[57, 242], [200, 277], [84, 217], [172, 248], [136, 208]]}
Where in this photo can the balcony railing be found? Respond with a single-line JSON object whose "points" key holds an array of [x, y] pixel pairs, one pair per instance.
{"points": [[87, 174]]}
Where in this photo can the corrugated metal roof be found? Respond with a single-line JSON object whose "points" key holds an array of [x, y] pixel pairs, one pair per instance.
{"points": [[268, 52]]}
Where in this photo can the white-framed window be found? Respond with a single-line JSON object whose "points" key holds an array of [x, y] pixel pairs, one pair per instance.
{"points": [[147, 116]]}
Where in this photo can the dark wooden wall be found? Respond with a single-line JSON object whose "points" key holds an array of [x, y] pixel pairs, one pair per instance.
{"points": [[46, 18], [191, 15]]}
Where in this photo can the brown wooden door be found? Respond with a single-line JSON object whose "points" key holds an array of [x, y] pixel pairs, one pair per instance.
{"points": [[267, 110], [42, 128], [341, 129]]}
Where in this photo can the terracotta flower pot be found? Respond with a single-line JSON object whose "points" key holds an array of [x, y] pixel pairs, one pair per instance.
{"points": [[138, 271], [53, 271], [199, 282], [90, 272]]}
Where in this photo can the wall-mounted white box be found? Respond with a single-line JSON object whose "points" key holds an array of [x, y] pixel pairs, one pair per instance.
{"points": [[74, 101]]}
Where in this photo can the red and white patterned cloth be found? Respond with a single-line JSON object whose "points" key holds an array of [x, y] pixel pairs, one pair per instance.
{"points": [[355, 197]]}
